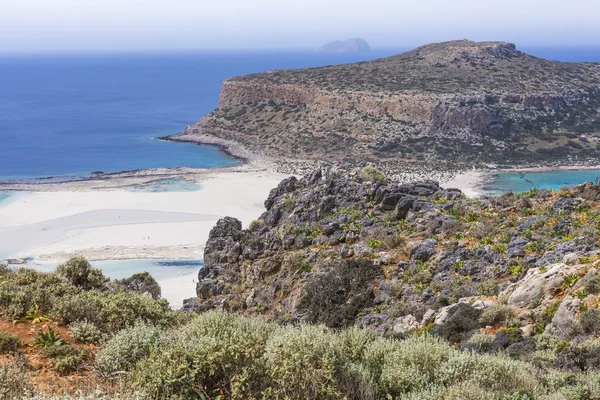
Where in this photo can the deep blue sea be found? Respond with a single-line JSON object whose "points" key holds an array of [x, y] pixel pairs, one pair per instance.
{"points": [[63, 115], [75, 114]]}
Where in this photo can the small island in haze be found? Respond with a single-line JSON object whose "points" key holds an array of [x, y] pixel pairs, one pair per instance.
{"points": [[356, 45]]}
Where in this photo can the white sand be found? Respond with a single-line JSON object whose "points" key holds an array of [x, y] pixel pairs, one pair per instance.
{"points": [[468, 182], [52, 226], [122, 224]]}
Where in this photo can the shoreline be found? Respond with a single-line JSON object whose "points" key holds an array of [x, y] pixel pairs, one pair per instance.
{"points": [[111, 222], [229, 148]]}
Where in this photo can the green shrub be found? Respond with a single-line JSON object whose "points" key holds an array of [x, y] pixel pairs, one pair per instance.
{"points": [[29, 289], [66, 358], [495, 315], [256, 225], [13, 380], [48, 338], [85, 332], [9, 343], [592, 286], [482, 341], [127, 347], [140, 283], [490, 372], [488, 288], [111, 312], [304, 361], [546, 317], [372, 174], [463, 319], [216, 351], [80, 273], [412, 364]]}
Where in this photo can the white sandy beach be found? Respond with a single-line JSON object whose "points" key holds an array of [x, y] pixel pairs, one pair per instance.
{"points": [[468, 182], [120, 224]]}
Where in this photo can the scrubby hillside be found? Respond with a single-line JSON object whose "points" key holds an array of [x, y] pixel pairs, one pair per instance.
{"points": [[345, 247], [347, 287], [459, 101]]}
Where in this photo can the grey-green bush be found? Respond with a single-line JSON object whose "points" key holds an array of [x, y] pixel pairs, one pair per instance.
{"points": [[111, 312], [140, 283], [85, 332], [13, 380], [80, 273], [127, 347], [66, 358]]}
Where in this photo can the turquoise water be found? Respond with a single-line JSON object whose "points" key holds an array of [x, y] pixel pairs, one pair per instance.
{"points": [[4, 196], [517, 182]]}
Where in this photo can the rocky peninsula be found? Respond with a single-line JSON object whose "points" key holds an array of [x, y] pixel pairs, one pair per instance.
{"points": [[447, 105]]}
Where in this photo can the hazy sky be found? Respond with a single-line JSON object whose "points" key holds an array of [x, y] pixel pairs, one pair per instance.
{"points": [[123, 25]]}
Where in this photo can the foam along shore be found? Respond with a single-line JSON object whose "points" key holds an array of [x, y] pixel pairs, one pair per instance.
{"points": [[122, 224]]}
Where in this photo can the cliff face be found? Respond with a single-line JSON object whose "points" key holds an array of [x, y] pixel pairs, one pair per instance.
{"points": [[463, 101], [344, 247]]}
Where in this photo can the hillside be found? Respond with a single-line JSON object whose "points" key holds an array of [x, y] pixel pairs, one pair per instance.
{"points": [[461, 102], [348, 287], [345, 248]]}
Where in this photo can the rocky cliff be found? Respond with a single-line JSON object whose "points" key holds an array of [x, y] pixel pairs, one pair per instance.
{"points": [[460, 101], [345, 247]]}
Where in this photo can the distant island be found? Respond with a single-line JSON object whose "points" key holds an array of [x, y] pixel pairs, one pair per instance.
{"points": [[356, 45], [456, 104]]}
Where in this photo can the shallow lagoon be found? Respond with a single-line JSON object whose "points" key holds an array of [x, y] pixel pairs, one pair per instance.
{"points": [[517, 182]]}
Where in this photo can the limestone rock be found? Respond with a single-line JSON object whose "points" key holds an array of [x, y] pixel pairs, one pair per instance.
{"points": [[405, 324], [563, 320], [537, 285]]}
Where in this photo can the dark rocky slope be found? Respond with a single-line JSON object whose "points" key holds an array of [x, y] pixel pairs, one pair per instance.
{"points": [[343, 247], [461, 101]]}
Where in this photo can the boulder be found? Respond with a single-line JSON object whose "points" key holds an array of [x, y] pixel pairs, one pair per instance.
{"points": [[404, 206], [566, 315], [537, 285], [405, 324], [425, 250]]}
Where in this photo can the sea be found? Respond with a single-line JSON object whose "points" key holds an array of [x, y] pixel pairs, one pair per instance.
{"points": [[70, 115], [74, 114]]}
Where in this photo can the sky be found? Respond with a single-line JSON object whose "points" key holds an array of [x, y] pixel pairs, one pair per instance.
{"points": [[179, 25]]}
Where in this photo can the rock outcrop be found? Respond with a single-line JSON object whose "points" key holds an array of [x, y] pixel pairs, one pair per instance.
{"points": [[343, 246], [461, 101]]}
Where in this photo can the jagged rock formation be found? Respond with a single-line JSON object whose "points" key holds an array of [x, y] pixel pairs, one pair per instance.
{"points": [[343, 246], [356, 45], [460, 101]]}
